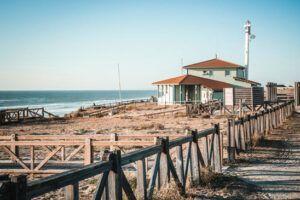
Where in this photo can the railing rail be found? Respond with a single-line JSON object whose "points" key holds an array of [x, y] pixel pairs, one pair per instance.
{"points": [[244, 131], [114, 179], [69, 147]]}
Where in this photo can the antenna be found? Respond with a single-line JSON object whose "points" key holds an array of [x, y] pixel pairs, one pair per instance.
{"points": [[120, 93], [215, 47]]}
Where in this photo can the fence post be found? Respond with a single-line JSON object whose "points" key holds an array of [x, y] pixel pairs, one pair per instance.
{"points": [[256, 125], [158, 141], [273, 119], [141, 180], [14, 148], [236, 136], [179, 163], [267, 121], [113, 138], [231, 143], [72, 192], [63, 153], [88, 152], [263, 121], [277, 116], [115, 177], [19, 186], [164, 169], [195, 167], [204, 148], [217, 150], [242, 134]]}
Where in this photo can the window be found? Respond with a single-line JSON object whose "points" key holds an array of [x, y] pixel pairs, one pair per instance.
{"points": [[227, 73]]}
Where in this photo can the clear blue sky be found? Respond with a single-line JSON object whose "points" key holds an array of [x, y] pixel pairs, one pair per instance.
{"points": [[63, 45]]}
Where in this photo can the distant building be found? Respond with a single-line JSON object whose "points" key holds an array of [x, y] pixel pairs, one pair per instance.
{"points": [[220, 70], [203, 81]]}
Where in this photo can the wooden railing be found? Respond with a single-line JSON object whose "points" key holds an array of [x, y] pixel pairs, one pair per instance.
{"points": [[244, 131], [113, 178], [17, 114], [121, 103], [63, 149], [201, 149]]}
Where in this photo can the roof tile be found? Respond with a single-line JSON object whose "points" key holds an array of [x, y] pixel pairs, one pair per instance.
{"points": [[195, 80], [213, 63]]}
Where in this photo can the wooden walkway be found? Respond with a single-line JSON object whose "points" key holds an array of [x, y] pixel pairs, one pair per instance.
{"points": [[274, 165]]}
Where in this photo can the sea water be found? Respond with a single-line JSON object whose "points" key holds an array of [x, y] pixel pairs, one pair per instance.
{"points": [[62, 102]]}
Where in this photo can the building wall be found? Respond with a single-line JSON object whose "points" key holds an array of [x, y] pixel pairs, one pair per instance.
{"points": [[165, 94], [206, 94], [219, 75], [170, 94]]}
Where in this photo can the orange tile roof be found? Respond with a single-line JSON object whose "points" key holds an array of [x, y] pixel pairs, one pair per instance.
{"points": [[195, 80], [213, 63], [247, 81]]}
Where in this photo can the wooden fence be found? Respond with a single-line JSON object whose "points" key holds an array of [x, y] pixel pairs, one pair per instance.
{"points": [[241, 136], [113, 178], [62, 150], [243, 132], [17, 114]]}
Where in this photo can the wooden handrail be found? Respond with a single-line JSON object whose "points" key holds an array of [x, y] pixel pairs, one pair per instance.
{"points": [[82, 137], [36, 188], [48, 184], [243, 131]]}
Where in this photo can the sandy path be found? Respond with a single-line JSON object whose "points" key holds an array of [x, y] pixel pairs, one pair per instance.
{"points": [[274, 165]]}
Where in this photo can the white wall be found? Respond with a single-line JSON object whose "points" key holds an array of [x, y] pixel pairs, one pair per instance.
{"points": [[219, 75], [206, 94], [165, 95]]}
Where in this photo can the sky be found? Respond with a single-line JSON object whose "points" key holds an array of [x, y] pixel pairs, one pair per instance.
{"points": [[77, 45]]}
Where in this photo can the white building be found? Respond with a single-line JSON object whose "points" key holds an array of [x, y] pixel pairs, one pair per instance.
{"points": [[203, 81]]}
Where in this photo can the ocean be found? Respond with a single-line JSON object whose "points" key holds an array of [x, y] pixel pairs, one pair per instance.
{"points": [[62, 102]]}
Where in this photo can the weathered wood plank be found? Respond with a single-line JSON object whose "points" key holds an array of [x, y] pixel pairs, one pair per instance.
{"points": [[141, 180]]}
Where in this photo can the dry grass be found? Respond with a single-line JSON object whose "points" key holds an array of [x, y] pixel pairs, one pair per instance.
{"points": [[205, 116], [132, 108], [180, 114], [156, 126]]}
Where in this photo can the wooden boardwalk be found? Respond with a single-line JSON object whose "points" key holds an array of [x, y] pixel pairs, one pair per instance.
{"points": [[274, 165]]}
